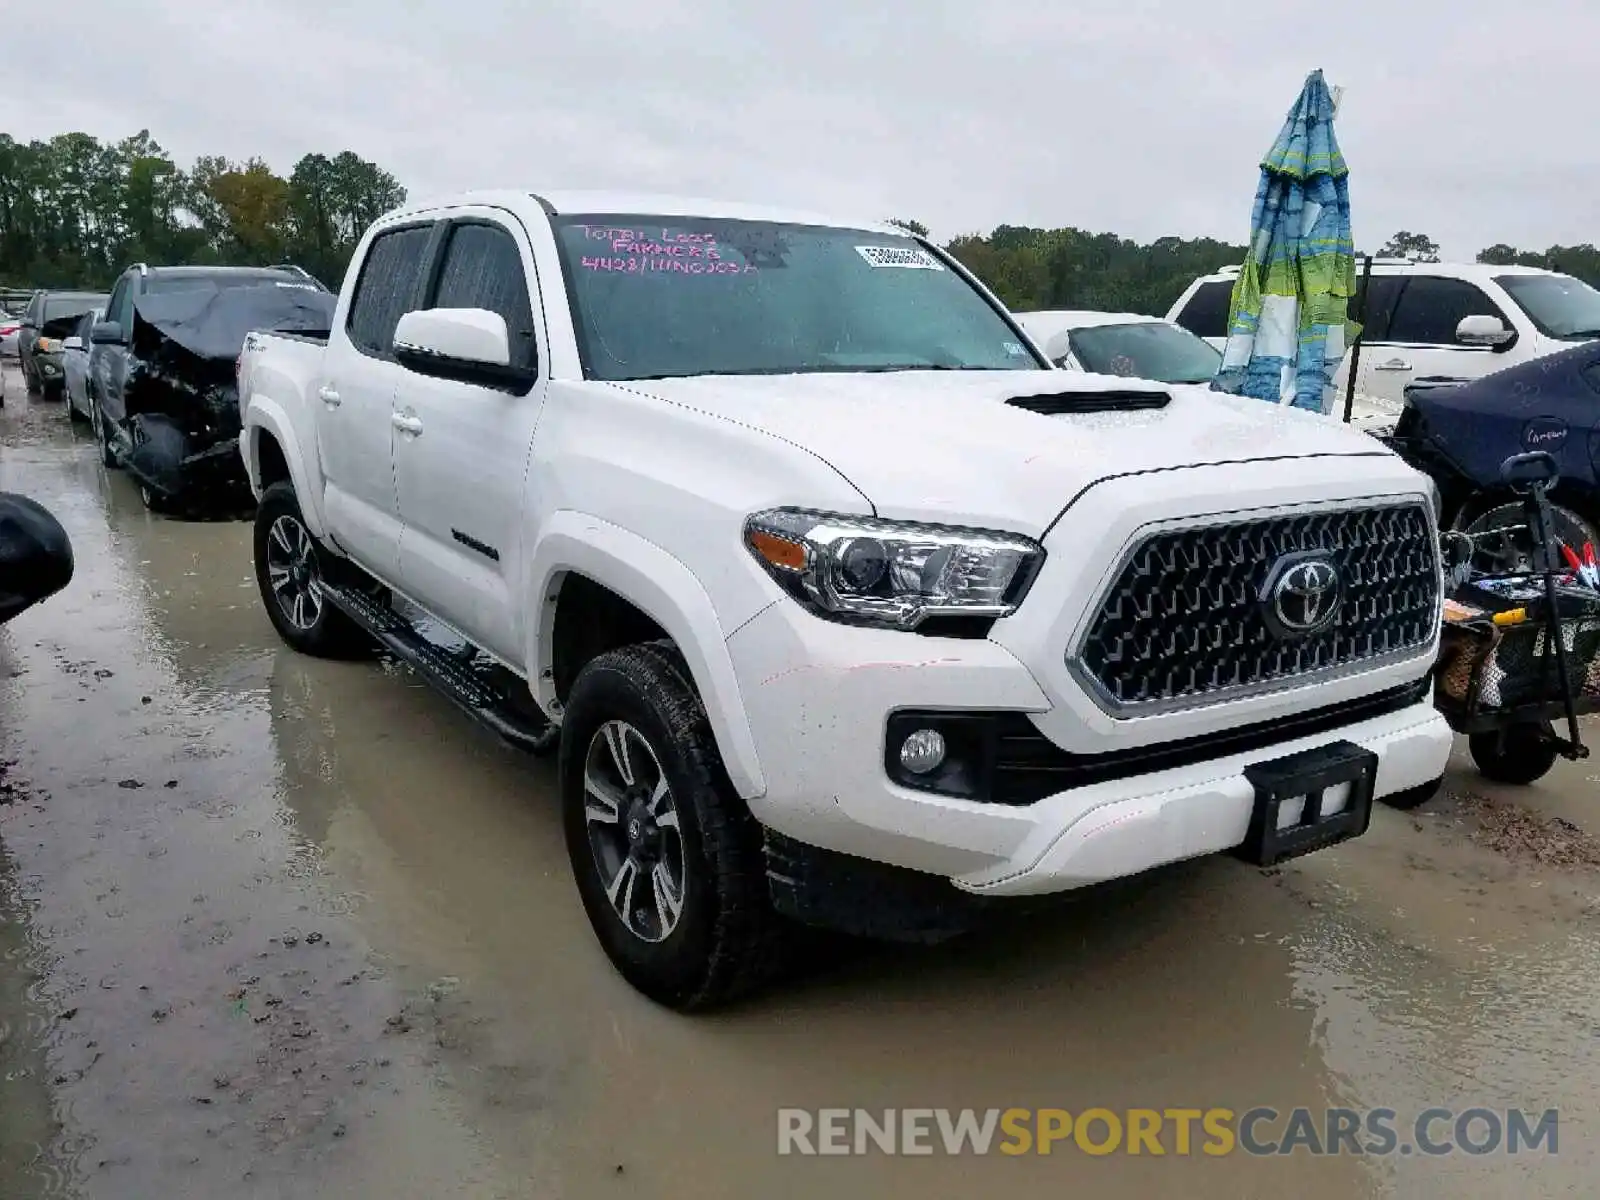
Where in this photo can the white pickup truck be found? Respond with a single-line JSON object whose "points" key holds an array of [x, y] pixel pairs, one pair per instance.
{"points": [[841, 605]]}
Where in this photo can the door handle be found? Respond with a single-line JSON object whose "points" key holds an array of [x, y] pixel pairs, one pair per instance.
{"points": [[405, 424], [1394, 364], [328, 396]]}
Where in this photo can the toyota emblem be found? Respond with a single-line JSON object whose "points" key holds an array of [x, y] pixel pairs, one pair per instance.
{"points": [[1302, 594]]}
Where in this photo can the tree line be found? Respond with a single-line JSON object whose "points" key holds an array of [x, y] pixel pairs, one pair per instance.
{"points": [[75, 211]]}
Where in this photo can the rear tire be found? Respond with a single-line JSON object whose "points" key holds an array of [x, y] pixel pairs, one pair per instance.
{"points": [[30, 381], [289, 571], [1518, 755], [692, 926]]}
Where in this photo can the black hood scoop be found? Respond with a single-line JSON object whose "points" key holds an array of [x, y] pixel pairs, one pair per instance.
{"points": [[1057, 404]]}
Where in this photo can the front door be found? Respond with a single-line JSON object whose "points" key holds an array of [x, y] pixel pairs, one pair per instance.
{"points": [[354, 401], [461, 450], [1417, 340]]}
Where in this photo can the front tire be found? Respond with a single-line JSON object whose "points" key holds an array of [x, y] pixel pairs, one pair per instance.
{"points": [[1414, 797], [289, 572], [97, 421], [668, 861]]}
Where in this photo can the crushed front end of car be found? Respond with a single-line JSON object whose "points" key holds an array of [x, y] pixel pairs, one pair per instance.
{"points": [[181, 394]]}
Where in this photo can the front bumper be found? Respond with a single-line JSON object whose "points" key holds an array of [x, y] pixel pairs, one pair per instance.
{"points": [[819, 696], [48, 368]]}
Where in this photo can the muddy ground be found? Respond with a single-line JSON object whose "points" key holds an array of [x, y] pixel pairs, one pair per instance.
{"points": [[278, 927]]}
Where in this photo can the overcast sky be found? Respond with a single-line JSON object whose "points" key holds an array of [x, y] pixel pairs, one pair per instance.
{"points": [[1464, 119]]}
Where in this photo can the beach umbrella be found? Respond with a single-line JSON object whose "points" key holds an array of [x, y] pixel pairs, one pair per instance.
{"points": [[1288, 324]]}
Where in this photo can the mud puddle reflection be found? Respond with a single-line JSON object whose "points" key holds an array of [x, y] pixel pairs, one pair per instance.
{"points": [[216, 1025]]}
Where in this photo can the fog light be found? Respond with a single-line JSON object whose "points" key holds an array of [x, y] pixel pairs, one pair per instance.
{"points": [[922, 751]]}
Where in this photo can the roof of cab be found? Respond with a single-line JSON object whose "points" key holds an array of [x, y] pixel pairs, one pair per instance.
{"points": [[628, 204]]}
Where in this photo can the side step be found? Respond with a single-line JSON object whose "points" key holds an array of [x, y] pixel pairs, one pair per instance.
{"points": [[472, 690]]}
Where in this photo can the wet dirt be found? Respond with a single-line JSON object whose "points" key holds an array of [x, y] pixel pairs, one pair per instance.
{"points": [[280, 927]]}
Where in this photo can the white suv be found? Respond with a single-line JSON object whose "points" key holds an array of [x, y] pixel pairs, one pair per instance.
{"points": [[1457, 320]]}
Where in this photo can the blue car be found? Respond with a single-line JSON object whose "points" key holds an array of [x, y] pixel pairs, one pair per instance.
{"points": [[1460, 433]]}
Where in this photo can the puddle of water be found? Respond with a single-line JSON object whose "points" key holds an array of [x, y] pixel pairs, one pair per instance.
{"points": [[232, 1033], [28, 1126]]}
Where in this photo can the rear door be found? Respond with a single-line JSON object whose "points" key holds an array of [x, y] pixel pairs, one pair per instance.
{"points": [[354, 399], [462, 458], [1416, 337]]}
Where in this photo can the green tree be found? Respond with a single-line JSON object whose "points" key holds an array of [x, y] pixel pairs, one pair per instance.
{"points": [[74, 211], [1410, 245]]}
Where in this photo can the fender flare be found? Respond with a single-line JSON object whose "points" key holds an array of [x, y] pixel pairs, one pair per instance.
{"points": [[268, 415], [665, 590]]}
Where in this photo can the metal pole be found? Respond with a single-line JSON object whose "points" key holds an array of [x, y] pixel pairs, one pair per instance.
{"points": [[1355, 349]]}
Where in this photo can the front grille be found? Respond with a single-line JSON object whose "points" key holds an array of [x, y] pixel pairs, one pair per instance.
{"points": [[1184, 623]]}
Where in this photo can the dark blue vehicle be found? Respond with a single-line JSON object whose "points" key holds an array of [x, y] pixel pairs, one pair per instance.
{"points": [[1461, 433]]}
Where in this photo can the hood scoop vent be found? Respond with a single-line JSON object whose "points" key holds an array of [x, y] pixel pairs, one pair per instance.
{"points": [[1058, 404]]}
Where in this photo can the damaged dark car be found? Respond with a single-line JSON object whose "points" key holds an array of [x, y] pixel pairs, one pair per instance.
{"points": [[164, 393]]}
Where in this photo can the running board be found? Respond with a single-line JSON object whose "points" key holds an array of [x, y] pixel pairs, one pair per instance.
{"points": [[469, 689]]}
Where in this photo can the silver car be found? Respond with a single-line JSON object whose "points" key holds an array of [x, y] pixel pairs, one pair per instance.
{"points": [[75, 365]]}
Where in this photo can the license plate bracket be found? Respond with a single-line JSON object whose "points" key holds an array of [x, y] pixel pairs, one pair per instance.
{"points": [[1310, 775]]}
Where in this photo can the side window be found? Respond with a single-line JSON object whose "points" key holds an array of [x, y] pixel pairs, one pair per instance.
{"points": [[1386, 291], [1430, 309], [386, 287], [120, 306], [1206, 314], [34, 312], [483, 269]]}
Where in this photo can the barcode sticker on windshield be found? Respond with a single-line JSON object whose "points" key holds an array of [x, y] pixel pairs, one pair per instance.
{"points": [[899, 256]]}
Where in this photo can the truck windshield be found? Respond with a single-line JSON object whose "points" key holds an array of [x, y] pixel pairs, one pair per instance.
{"points": [[1558, 305], [658, 297]]}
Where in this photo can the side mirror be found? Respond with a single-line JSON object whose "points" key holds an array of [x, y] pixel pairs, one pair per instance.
{"points": [[106, 333], [1483, 330], [468, 345], [73, 343]]}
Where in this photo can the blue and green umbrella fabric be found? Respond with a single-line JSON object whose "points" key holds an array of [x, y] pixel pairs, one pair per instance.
{"points": [[1288, 325]]}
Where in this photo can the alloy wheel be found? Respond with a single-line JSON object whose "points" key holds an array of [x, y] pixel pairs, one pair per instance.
{"points": [[633, 829], [293, 574]]}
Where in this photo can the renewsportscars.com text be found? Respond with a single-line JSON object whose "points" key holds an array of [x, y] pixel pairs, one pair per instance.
{"points": [[1163, 1131]]}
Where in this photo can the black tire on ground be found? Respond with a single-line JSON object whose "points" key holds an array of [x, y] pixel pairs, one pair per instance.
{"points": [[1414, 797], [1519, 755], [153, 500], [289, 566], [30, 381], [73, 415], [723, 940]]}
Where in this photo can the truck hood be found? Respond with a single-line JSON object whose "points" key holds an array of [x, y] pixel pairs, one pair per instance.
{"points": [[947, 447]]}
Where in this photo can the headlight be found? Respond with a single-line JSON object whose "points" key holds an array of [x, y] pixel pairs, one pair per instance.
{"points": [[889, 573], [48, 346]]}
